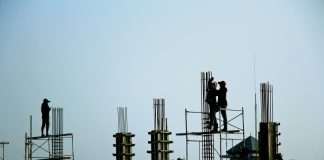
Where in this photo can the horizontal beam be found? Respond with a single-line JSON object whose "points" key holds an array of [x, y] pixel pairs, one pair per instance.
{"points": [[4, 142]]}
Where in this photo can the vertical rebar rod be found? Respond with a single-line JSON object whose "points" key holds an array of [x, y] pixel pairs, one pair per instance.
{"points": [[126, 120], [26, 146], [53, 131], [220, 133], [72, 148], [123, 120], [117, 119], [186, 134], [30, 139], [160, 114], [166, 122], [62, 130], [154, 114], [268, 103], [211, 136], [271, 103], [261, 99], [201, 105], [261, 102], [243, 127], [163, 113]]}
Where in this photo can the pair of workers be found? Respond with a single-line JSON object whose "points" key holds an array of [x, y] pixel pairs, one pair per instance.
{"points": [[216, 105]]}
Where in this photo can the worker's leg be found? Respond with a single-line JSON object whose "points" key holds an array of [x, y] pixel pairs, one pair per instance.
{"points": [[47, 125], [223, 112], [43, 125], [212, 114]]}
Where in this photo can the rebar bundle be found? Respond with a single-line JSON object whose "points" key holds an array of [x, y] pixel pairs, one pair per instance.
{"points": [[160, 135], [268, 135], [266, 91], [123, 138], [57, 129], [207, 139], [122, 119], [160, 122]]}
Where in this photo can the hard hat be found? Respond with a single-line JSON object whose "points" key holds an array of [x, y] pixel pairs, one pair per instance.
{"points": [[46, 100], [222, 82]]}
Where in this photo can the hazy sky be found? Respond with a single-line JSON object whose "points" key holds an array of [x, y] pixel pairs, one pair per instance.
{"points": [[89, 57]]}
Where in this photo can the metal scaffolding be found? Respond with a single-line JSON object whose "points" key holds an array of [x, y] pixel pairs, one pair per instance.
{"points": [[206, 144], [49, 147], [124, 142], [160, 135], [2, 145]]}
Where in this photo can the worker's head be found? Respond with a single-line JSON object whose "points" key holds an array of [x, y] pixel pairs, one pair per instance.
{"points": [[214, 84], [222, 83], [46, 100]]}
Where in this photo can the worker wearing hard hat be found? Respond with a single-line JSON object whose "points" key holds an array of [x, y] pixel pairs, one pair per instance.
{"points": [[222, 102], [45, 116]]}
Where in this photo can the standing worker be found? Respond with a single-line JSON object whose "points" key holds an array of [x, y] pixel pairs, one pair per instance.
{"points": [[211, 100], [222, 102], [45, 116]]}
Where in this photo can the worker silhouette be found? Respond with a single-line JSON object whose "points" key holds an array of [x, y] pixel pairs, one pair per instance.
{"points": [[45, 116], [222, 102], [211, 100]]}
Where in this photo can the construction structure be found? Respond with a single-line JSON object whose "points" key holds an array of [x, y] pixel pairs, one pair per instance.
{"points": [[123, 137], [246, 149], [49, 147], [268, 134], [160, 135], [2, 145], [207, 144]]}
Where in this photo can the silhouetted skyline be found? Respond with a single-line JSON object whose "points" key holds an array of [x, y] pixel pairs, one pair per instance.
{"points": [[89, 57]]}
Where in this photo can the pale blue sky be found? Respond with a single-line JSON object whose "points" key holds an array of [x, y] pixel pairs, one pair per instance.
{"points": [[89, 57]]}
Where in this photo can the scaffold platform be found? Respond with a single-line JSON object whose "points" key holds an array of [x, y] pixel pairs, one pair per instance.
{"points": [[50, 136], [42, 147], [203, 133]]}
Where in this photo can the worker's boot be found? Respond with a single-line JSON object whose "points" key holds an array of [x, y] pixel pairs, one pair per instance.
{"points": [[215, 128], [225, 127], [209, 124]]}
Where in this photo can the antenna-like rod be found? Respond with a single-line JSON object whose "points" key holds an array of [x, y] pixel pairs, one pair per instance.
{"points": [[255, 101]]}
